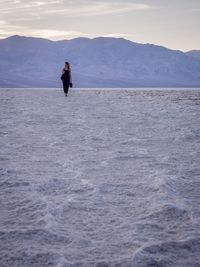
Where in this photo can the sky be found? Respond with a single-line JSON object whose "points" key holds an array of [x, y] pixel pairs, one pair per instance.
{"points": [[171, 23]]}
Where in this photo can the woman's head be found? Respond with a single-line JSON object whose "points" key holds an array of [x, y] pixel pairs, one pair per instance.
{"points": [[67, 65]]}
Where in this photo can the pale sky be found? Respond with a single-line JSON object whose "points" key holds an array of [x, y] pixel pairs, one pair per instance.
{"points": [[171, 23]]}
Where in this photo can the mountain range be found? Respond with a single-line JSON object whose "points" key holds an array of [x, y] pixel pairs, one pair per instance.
{"points": [[99, 63]]}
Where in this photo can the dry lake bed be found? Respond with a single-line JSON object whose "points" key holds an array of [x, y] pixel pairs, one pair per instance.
{"points": [[101, 178]]}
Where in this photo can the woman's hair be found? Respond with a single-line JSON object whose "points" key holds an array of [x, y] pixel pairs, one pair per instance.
{"points": [[67, 63]]}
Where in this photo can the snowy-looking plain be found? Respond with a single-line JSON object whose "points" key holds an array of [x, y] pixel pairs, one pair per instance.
{"points": [[100, 178]]}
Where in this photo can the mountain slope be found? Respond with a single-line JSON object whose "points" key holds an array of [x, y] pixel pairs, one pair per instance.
{"points": [[194, 53], [98, 62]]}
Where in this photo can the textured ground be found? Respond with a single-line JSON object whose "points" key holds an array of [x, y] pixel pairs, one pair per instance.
{"points": [[100, 178]]}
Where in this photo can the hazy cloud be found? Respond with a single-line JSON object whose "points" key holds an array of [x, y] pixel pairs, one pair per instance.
{"points": [[20, 16], [96, 9], [69, 8], [52, 34]]}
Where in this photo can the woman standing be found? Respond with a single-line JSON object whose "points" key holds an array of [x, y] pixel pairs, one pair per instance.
{"points": [[66, 78]]}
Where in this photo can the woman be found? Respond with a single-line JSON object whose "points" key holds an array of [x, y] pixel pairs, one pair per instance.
{"points": [[66, 78]]}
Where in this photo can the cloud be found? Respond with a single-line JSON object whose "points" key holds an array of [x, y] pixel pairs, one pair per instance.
{"points": [[3, 23], [60, 35], [52, 34], [55, 34], [68, 7], [9, 7], [96, 9], [44, 18], [8, 29]]}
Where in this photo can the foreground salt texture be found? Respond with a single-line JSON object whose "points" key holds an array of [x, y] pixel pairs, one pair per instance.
{"points": [[100, 178]]}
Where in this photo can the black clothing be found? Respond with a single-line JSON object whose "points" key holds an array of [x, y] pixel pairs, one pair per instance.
{"points": [[65, 86], [66, 75], [66, 80]]}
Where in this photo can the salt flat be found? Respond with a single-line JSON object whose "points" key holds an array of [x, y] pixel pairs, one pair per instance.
{"points": [[100, 178]]}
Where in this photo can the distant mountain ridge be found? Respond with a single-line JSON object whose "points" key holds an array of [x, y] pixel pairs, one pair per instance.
{"points": [[98, 62]]}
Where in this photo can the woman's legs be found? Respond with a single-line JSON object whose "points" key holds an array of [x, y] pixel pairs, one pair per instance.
{"points": [[65, 87]]}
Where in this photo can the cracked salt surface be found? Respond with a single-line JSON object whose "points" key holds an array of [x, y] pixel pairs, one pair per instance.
{"points": [[100, 178]]}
